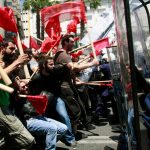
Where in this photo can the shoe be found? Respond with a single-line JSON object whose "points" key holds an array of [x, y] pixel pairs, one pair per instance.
{"points": [[73, 145], [80, 136], [90, 127]]}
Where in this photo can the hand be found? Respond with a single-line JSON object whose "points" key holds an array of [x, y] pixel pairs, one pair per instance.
{"points": [[95, 62], [22, 59]]}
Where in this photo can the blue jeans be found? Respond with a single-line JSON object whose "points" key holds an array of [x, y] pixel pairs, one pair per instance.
{"points": [[130, 123], [52, 129], [64, 118]]}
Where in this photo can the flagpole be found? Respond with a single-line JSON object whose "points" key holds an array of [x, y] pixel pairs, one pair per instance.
{"points": [[87, 27], [26, 71], [37, 39], [74, 50], [6, 88]]}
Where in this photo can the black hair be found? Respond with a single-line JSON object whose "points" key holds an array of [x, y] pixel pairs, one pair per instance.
{"points": [[43, 62], [66, 39]]}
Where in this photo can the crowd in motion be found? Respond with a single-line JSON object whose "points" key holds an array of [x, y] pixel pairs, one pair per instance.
{"points": [[61, 102]]}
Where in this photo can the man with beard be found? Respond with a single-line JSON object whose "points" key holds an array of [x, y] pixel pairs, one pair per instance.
{"points": [[9, 53], [33, 64], [47, 83], [17, 136], [68, 91]]}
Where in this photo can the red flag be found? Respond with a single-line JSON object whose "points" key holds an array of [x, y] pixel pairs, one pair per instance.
{"points": [[53, 15], [99, 45], [33, 43], [49, 43], [46, 45], [1, 38], [23, 45], [7, 20], [69, 8], [77, 54], [39, 102], [83, 13], [72, 26], [53, 27]]}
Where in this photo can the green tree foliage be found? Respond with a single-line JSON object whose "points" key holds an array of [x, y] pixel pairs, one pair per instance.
{"points": [[93, 3], [35, 6]]}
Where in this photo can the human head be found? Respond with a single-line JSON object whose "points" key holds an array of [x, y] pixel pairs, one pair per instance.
{"points": [[67, 42], [46, 65], [9, 52], [10, 48], [35, 53]]}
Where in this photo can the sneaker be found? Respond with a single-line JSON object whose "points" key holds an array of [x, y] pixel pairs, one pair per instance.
{"points": [[80, 136], [73, 145]]}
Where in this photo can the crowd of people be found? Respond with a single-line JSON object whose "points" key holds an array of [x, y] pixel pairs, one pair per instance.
{"points": [[69, 100]]}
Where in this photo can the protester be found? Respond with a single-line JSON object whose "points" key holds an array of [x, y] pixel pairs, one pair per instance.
{"points": [[68, 91], [33, 63], [48, 79], [12, 128], [38, 125]]}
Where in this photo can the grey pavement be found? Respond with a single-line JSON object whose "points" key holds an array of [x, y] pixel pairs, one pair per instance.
{"points": [[101, 138]]}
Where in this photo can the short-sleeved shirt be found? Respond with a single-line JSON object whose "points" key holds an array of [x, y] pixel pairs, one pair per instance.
{"points": [[4, 97], [63, 58]]}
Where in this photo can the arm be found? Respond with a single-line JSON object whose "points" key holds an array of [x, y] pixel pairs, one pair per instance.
{"points": [[79, 67], [19, 61]]}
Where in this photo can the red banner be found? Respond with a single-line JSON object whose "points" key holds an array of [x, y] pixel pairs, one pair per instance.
{"points": [[7, 20]]}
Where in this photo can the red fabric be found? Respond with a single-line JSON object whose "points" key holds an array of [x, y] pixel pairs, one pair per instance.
{"points": [[53, 15], [1, 38], [53, 26], [83, 13], [72, 26], [69, 8], [39, 102], [76, 38], [77, 54], [23, 45], [99, 45], [33, 43], [106, 84], [48, 43], [7, 20]]}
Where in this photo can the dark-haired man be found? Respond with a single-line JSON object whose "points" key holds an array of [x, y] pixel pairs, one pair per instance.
{"points": [[68, 91]]}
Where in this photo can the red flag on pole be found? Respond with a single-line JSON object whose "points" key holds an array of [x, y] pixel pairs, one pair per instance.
{"points": [[7, 20], [46, 45], [49, 43], [53, 15], [69, 8], [99, 45], [33, 43], [39, 102], [77, 54]]}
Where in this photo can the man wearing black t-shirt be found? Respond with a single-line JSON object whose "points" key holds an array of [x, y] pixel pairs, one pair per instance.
{"points": [[68, 91]]}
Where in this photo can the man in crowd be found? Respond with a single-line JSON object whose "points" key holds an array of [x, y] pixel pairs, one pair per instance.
{"points": [[10, 125], [49, 129], [48, 79], [68, 91]]}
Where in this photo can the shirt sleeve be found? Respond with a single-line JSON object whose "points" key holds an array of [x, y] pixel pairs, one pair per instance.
{"points": [[63, 58]]}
